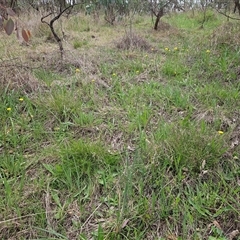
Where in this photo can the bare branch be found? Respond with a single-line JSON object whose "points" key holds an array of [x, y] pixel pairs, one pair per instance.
{"points": [[228, 16], [42, 19]]}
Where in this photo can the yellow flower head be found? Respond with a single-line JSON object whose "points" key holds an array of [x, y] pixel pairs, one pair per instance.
{"points": [[220, 132], [208, 51], [114, 74], [166, 49], [137, 72], [20, 99], [77, 70], [9, 109], [175, 48]]}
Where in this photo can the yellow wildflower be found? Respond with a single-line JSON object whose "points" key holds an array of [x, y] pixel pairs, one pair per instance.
{"points": [[77, 70], [9, 109], [20, 99], [208, 51], [114, 74], [175, 49], [166, 49], [137, 72], [220, 132]]}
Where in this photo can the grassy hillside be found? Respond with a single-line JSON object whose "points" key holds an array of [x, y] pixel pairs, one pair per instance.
{"points": [[133, 135]]}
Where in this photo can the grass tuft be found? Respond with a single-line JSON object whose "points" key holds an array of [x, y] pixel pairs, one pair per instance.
{"points": [[133, 41]]}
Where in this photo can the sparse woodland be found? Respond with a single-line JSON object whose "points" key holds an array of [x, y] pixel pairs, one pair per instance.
{"points": [[120, 120]]}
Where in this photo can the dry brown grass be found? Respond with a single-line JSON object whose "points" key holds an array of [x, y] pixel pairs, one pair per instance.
{"points": [[226, 34], [19, 77], [133, 41]]}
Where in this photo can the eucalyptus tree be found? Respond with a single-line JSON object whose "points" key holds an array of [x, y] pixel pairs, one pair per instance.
{"points": [[237, 6], [51, 11], [159, 8], [114, 9]]}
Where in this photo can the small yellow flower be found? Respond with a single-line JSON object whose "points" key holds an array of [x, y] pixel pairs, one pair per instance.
{"points": [[175, 49], [220, 132], [20, 99], [146, 56], [114, 74], [77, 70], [9, 109], [137, 72], [93, 80], [208, 51], [166, 49]]}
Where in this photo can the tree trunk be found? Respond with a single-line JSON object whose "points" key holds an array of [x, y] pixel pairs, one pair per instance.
{"points": [[57, 38], [13, 3], [158, 17], [50, 24], [237, 6]]}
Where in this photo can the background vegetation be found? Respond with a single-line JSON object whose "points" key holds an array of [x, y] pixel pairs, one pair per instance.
{"points": [[129, 133]]}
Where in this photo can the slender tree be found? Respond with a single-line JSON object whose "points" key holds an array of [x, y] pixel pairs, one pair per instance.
{"points": [[55, 10], [236, 6], [159, 7]]}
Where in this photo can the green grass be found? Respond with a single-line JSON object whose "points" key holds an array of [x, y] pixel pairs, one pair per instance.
{"points": [[135, 145], [193, 20]]}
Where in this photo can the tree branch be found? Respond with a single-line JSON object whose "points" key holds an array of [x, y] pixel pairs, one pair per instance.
{"points": [[228, 16]]}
